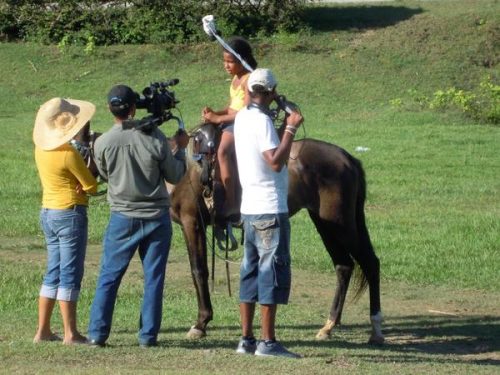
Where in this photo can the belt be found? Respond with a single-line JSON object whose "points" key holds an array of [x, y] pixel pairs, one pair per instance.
{"points": [[75, 207]]}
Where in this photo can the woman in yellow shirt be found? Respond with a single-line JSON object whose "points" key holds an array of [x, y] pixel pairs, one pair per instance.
{"points": [[238, 93], [65, 182]]}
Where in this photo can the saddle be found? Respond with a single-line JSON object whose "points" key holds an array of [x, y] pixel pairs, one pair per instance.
{"points": [[206, 140]]}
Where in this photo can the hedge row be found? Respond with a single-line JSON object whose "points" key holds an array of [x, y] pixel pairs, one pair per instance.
{"points": [[135, 22]]}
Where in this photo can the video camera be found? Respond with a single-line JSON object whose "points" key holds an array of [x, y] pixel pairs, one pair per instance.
{"points": [[157, 99]]}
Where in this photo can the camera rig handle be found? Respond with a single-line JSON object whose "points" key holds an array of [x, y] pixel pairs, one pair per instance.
{"points": [[147, 123]]}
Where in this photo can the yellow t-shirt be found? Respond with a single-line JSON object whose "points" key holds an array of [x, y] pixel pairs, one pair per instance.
{"points": [[60, 170], [237, 94]]}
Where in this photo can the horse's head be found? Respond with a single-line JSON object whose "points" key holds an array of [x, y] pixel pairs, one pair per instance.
{"points": [[206, 139]]}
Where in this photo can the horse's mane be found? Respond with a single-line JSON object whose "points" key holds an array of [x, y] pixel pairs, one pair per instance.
{"points": [[190, 161], [189, 149]]}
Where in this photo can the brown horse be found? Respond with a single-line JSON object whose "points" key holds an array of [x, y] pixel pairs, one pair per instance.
{"points": [[328, 182]]}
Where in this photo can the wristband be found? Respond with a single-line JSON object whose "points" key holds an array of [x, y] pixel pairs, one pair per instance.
{"points": [[291, 129], [291, 132]]}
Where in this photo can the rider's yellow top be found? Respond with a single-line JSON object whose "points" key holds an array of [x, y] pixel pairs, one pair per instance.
{"points": [[237, 94], [60, 171]]}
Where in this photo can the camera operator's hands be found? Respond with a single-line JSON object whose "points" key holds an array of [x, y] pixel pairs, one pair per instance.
{"points": [[181, 138]]}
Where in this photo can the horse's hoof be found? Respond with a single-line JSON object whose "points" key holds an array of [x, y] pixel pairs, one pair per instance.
{"points": [[376, 340], [323, 335], [195, 333], [326, 331]]}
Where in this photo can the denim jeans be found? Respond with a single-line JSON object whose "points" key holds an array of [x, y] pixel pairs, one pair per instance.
{"points": [[123, 236], [66, 238], [265, 273]]}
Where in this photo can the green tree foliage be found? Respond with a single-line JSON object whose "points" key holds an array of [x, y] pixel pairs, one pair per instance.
{"points": [[140, 21]]}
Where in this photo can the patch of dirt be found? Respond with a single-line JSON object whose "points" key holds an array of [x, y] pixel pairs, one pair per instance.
{"points": [[420, 321], [360, 38]]}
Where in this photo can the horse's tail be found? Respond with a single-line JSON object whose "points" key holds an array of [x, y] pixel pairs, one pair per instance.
{"points": [[365, 245]]}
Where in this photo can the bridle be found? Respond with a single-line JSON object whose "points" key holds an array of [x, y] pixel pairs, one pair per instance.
{"points": [[205, 142], [84, 144], [86, 148]]}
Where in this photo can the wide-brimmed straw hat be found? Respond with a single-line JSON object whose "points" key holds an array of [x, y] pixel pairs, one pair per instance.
{"points": [[59, 120]]}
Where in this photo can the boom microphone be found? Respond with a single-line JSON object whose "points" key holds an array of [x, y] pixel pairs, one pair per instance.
{"points": [[211, 31]]}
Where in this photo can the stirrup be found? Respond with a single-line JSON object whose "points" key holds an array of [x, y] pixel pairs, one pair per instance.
{"points": [[225, 236]]}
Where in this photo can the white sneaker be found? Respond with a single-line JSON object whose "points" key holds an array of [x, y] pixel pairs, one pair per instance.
{"points": [[246, 346], [274, 349]]}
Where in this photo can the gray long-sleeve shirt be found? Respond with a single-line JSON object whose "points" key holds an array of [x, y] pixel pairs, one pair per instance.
{"points": [[136, 166]]}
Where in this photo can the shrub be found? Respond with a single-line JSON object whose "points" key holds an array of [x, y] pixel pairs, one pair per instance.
{"points": [[481, 103], [154, 21]]}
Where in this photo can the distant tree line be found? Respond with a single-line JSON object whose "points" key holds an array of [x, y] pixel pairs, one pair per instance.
{"points": [[134, 22]]}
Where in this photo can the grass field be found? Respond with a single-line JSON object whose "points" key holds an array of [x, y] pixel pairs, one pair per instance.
{"points": [[433, 206], [429, 329]]}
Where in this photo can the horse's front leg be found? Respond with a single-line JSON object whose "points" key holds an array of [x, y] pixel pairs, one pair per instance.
{"points": [[195, 237]]}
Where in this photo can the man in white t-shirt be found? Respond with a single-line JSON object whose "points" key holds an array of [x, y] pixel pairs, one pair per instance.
{"points": [[265, 275]]}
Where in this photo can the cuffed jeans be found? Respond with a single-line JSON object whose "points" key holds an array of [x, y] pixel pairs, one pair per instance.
{"points": [[123, 236], [265, 273], [66, 238]]}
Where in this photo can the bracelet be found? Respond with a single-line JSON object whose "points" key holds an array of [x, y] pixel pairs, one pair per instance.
{"points": [[291, 129], [291, 132]]}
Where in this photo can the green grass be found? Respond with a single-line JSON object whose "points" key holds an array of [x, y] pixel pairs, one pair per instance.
{"points": [[428, 329], [433, 206]]}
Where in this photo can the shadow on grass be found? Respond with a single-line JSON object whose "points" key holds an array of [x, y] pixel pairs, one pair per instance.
{"points": [[357, 17], [412, 338]]}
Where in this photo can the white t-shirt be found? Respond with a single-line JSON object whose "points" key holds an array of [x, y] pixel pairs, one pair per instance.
{"points": [[264, 191]]}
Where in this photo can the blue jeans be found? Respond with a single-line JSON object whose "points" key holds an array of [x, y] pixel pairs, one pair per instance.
{"points": [[66, 238], [265, 273], [123, 236]]}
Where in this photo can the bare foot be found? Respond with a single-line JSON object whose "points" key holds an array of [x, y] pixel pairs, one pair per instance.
{"points": [[48, 337], [75, 340]]}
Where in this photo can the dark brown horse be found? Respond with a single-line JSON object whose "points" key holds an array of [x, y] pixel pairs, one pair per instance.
{"points": [[328, 182]]}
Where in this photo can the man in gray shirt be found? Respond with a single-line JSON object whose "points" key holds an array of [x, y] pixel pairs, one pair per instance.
{"points": [[136, 164]]}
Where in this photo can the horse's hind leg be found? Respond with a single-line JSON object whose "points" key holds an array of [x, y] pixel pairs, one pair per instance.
{"points": [[343, 268], [370, 265]]}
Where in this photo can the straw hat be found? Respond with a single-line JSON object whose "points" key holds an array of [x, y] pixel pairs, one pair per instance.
{"points": [[59, 120]]}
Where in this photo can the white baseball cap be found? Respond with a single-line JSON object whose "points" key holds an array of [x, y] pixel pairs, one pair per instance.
{"points": [[262, 77]]}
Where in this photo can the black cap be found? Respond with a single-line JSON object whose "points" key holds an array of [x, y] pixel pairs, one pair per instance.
{"points": [[121, 96]]}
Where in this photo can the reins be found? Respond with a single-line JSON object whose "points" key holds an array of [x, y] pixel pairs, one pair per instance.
{"points": [[207, 195]]}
